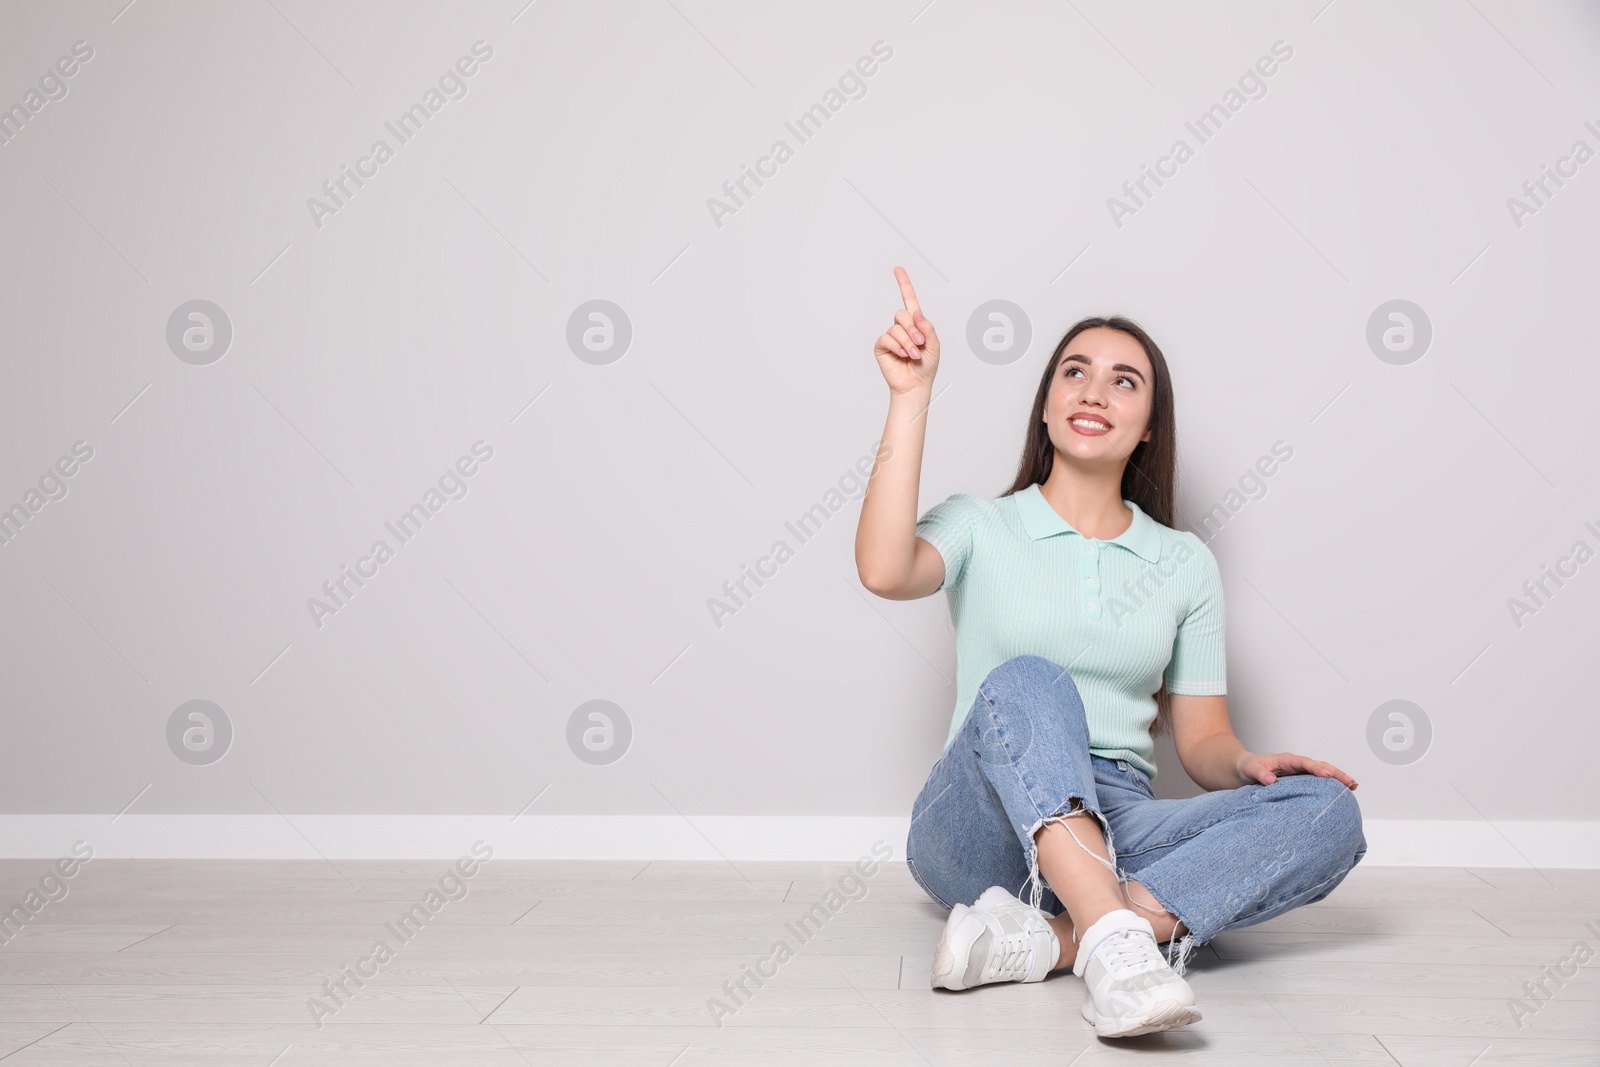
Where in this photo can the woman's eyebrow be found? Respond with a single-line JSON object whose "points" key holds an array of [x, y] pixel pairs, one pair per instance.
{"points": [[1076, 358]]}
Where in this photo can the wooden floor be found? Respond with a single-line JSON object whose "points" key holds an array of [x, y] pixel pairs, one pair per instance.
{"points": [[214, 962]]}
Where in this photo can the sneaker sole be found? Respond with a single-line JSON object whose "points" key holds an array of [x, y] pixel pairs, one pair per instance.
{"points": [[955, 949], [1164, 1017]]}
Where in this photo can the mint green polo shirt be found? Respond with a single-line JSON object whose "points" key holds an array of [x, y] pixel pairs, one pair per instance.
{"points": [[1120, 615]]}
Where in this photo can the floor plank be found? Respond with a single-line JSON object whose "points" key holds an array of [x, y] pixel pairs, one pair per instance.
{"points": [[224, 962]]}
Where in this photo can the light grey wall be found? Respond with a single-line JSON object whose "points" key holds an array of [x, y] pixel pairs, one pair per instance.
{"points": [[372, 350]]}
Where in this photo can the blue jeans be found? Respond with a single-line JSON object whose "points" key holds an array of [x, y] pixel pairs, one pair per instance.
{"points": [[1222, 860]]}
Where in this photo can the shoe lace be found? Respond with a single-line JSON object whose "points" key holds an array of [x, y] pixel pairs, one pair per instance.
{"points": [[1011, 955], [1127, 953]]}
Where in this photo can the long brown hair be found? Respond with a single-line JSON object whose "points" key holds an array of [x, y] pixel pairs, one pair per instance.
{"points": [[1150, 477]]}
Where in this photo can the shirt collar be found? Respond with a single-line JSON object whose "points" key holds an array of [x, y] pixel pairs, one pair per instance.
{"points": [[1041, 520]]}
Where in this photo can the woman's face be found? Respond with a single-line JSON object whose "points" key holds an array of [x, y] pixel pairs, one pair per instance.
{"points": [[1098, 407]]}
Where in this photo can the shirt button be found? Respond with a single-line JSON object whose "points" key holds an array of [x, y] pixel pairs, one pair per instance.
{"points": [[1092, 606], [1090, 582]]}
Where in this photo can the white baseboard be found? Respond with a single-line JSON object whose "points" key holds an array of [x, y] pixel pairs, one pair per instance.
{"points": [[1390, 842]]}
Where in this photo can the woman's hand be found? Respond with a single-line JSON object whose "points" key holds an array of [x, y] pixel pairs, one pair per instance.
{"points": [[1266, 769], [908, 353]]}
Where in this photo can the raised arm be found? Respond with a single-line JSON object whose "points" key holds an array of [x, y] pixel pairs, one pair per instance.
{"points": [[891, 559]]}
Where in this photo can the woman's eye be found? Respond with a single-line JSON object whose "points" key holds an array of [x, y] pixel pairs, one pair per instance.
{"points": [[1123, 378]]}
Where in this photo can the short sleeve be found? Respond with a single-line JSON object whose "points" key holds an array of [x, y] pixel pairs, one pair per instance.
{"points": [[948, 527], [1199, 665]]}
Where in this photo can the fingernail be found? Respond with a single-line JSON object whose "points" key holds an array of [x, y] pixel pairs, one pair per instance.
{"points": [[917, 337]]}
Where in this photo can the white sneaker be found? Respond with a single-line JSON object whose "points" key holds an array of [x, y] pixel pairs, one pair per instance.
{"points": [[1131, 988], [998, 939]]}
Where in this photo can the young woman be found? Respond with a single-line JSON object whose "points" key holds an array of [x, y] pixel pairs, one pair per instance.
{"points": [[1082, 618]]}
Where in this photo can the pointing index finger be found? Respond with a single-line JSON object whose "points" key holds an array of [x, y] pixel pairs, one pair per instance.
{"points": [[907, 294]]}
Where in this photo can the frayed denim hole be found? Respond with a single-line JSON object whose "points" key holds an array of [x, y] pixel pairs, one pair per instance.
{"points": [[1076, 806]]}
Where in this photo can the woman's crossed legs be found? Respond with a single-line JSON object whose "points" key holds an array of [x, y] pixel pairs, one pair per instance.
{"points": [[1018, 795]]}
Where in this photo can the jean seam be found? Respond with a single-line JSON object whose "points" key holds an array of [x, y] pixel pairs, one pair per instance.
{"points": [[1022, 782], [1190, 837], [911, 864], [1004, 735], [1175, 841], [1181, 840], [1305, 892], [1237, 920]]}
